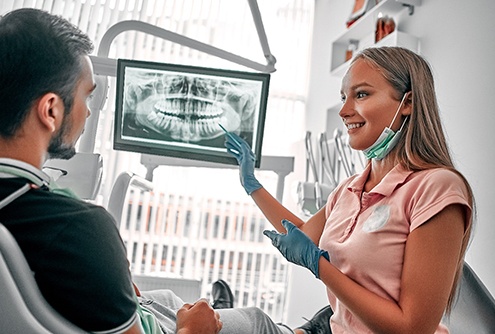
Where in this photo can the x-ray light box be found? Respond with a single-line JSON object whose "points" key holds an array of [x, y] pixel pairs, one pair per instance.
{"points": [[175, 110]]}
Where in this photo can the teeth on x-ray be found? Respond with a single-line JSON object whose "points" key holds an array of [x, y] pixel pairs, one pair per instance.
{"points": [[202, 122], [189, 109]]}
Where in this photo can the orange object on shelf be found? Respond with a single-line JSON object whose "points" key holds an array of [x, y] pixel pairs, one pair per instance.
{"points": [[360, 8], [384, 26], [389, 26], [351, 48]]}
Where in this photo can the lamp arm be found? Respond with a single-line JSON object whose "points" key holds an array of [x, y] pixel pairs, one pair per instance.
{"points": [[120, 27]]}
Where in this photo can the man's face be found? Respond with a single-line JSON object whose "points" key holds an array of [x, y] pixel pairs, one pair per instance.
{"points": [[62, 144]]}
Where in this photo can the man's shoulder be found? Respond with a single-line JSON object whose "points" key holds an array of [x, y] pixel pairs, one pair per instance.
{"points": [[43, 208]]}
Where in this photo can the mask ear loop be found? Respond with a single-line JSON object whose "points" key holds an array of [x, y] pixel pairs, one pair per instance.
{"points": [[397, 112]]}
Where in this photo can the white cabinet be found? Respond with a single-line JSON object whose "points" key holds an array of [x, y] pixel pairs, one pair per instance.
{"points": [[362, 32]]}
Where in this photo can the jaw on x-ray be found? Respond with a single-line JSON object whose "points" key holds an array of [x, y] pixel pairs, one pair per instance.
{"points": [[187, 108]]}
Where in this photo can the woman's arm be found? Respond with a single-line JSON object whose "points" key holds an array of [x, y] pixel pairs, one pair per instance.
{"points": [[271, 208], [274, 211], [430, 263]]}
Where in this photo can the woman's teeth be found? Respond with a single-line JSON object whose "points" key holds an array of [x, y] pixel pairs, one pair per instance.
{"points": [[354, 125]]}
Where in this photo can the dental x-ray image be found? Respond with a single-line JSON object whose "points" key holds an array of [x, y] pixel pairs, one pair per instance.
{"points": [[177, 110]]}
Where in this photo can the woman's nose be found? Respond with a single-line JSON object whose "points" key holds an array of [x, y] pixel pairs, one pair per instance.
{"points": [[346, 110]]}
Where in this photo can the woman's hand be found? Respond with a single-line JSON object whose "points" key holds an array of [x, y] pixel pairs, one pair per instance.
{"points": [[297, 247], [239, 148]]}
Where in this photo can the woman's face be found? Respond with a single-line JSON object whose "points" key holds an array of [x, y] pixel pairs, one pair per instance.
{"points": [[369, 104]]}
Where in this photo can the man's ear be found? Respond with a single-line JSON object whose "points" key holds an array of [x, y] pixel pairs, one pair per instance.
{"points": [[50, 111]]}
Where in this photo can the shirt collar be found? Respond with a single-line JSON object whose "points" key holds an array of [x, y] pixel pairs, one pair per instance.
{"points": [[387, 185]]}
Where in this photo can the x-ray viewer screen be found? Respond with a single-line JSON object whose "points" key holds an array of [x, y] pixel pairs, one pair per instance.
{"points": [[175, 110]]}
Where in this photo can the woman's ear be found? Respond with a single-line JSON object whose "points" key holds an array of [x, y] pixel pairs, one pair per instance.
{"points": [[50, 111], [407, 108]]}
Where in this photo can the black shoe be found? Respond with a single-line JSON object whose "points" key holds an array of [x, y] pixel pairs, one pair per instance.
{"points": [[320, 323], [222, 295]]}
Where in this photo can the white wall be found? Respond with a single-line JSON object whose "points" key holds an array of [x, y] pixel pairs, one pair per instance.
{"points": [[458, 42], [457, 38]]}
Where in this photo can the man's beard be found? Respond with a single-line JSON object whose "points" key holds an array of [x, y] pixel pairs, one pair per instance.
{"points": [[57, 149]]}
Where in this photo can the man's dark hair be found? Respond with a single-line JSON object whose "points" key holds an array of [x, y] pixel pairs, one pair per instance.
{"points": [[39, 53]]}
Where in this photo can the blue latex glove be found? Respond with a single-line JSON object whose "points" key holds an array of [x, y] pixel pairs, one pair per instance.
{"points": [[297, 247], [240, 149]]}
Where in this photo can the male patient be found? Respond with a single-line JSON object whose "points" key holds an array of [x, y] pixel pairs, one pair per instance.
{"points": [[73, 248]]}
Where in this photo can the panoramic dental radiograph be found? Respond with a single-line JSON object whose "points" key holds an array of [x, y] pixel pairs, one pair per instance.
{"points": [[188, 108]]}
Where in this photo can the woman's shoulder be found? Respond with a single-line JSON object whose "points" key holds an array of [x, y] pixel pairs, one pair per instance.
{"points": [[438, 180], [438, 175]]}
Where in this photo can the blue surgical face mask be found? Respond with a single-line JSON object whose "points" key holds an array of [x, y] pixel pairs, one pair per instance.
{"points": [[387, 139]]}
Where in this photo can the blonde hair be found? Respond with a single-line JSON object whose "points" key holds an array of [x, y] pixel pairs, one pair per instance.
{"points": [[423, 144]]}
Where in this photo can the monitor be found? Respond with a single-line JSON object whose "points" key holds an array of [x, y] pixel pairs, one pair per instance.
{"points": [[176, 110]]}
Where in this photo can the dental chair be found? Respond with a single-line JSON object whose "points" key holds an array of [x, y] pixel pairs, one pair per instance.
{"points": [[23, 308], [474, 309]]}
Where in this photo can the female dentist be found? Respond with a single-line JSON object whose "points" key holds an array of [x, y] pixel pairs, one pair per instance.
{"points": [[389, 245]]}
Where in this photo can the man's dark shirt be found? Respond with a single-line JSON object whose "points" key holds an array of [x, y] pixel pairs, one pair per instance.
{"points": [[76, 254]]}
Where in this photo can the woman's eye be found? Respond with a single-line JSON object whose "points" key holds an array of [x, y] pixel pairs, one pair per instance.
{"points": [[342, 98], [361, 94]]}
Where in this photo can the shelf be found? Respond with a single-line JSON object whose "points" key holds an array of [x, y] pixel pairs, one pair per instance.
{"points": [[366, 24], [363, 31], [397, 38]]}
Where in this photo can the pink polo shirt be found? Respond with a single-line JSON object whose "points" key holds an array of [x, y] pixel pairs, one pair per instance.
{"points": [[366, 238]]}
